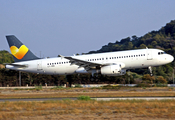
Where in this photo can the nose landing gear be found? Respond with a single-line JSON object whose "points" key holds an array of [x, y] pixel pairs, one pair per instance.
{"points": [[150, 70]]}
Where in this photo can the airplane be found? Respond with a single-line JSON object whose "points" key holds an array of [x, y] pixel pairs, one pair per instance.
{"points": [[109, 63]]}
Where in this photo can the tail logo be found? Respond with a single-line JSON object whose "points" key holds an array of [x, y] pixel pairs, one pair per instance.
{"points": [[19, 53]]}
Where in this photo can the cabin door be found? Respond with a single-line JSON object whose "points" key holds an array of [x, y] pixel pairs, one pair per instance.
{"points": [[149, 55]]}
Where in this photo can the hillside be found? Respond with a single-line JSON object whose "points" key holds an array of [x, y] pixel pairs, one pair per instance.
{"points": [[162, 39], [5, 57]]}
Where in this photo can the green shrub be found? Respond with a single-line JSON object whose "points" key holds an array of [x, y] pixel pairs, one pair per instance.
{"points": [[84, 98], [78, 86]]}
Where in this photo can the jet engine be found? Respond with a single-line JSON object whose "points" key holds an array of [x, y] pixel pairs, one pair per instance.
{"points": [[113, 70]]}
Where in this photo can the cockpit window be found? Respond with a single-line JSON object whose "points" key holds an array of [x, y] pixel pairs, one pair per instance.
{"points": [[160, 53]]}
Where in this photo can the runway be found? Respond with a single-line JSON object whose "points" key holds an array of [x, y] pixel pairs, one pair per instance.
{"points": [[98, 99]]}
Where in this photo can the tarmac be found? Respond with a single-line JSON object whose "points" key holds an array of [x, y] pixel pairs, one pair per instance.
{"points": [[98, 99]]}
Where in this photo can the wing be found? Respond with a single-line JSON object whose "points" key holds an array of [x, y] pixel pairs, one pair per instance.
{"points": [[86, 64]]}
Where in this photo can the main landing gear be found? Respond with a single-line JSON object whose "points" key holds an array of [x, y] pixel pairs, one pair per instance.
{"points": [[94, 77]]}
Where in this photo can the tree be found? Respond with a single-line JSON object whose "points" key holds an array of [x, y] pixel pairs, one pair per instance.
{"points": [[154, 43], [142, 46], [134, 37], [148, 79], [125, 40], [161, 79], [130, 45]]}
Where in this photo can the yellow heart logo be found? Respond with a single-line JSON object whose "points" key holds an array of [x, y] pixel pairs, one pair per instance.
{"points": [[19, 53]]}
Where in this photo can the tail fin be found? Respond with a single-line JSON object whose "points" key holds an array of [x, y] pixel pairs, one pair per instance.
{"points": [[19, 51]]}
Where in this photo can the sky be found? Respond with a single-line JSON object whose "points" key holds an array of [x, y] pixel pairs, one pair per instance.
{"points": [[65, 27]]}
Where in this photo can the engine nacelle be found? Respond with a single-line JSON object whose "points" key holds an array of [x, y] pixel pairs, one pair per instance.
{"points": [[113, 70], [81, 70]]}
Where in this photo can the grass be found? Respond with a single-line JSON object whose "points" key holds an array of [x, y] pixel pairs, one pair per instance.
{"points": [[81, 109], [112, 87], [38, 87], [84, 108], [57, 88], [69, 93]]}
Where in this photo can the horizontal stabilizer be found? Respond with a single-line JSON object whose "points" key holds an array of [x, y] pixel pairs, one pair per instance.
{"points": [[16, 65]]}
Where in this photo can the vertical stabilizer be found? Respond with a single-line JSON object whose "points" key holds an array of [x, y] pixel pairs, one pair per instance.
{"points": [[19, 51]]}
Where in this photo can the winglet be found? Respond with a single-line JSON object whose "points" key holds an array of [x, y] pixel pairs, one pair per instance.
{"points": [[61, 56]]}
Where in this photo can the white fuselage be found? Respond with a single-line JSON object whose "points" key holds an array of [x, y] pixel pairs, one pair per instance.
{"points": [[131, 59]]}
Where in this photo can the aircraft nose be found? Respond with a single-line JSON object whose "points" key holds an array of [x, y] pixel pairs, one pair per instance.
{"points": [[171, 58]]}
